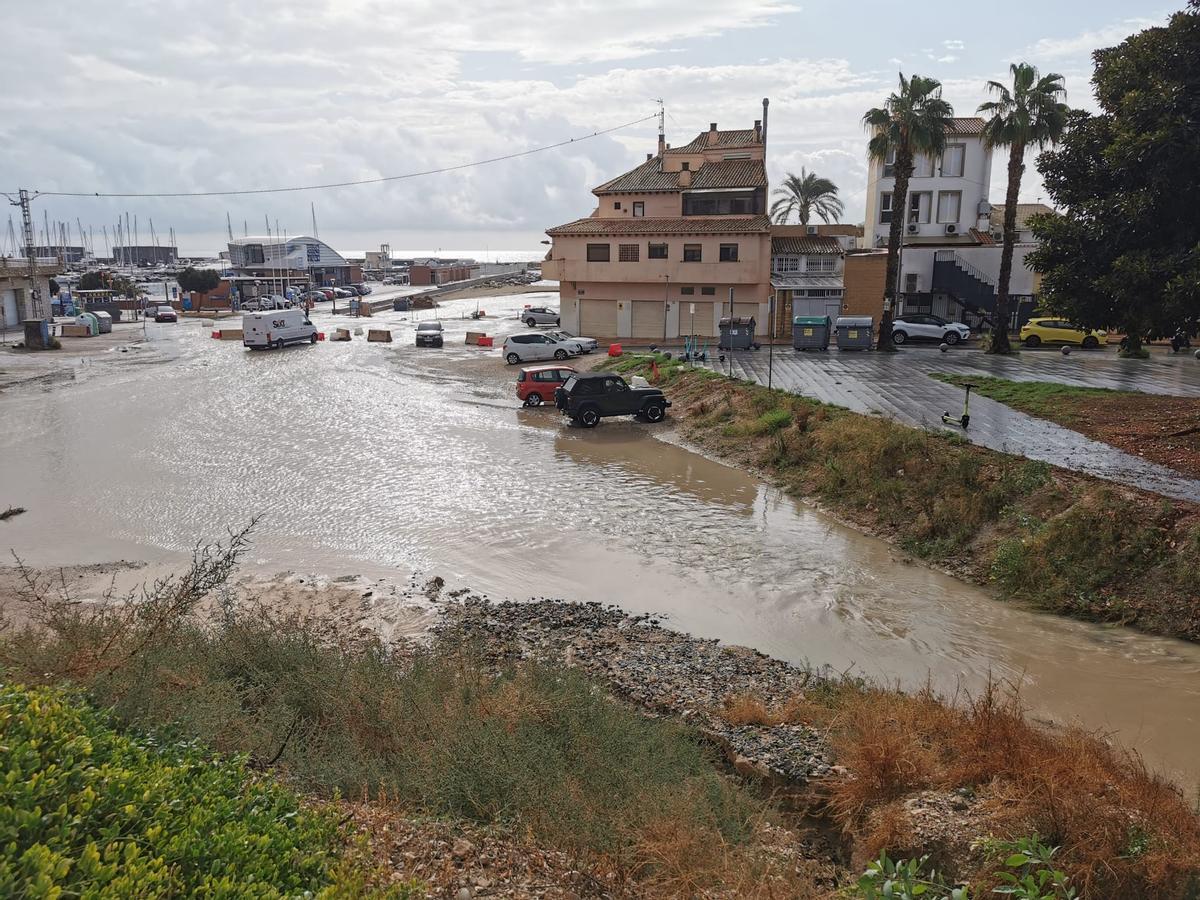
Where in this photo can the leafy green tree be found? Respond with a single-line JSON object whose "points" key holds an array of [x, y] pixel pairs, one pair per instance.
{"points": [[805, 195], [913, 120], [1126, 252], [199, 280], [1030, 114]]}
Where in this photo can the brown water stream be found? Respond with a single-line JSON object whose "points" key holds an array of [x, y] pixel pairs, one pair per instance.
{"points": [[383, 460]]}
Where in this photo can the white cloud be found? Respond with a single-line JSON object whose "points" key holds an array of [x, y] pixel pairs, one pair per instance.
{"points": [[1084, 43], [953, 45]]}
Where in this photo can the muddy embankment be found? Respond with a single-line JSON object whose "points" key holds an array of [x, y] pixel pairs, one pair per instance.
{"points": [[1064, 542]]}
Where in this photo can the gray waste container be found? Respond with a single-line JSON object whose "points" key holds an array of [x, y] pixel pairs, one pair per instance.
{"points": [[810, 332], [400, 304], [737, 333], [855, 332], [104, 319]]}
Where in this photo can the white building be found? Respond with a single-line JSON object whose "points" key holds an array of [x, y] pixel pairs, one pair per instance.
{"points": [[274, 260], [950, 257]]}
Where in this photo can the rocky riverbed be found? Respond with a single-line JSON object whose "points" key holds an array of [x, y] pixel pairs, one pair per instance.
{"points": [[660, 670]]}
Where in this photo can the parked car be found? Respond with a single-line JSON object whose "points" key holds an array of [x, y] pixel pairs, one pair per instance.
{"points": [[277, 328], [536, 384], [363, 289], [313, 296], [273, 301], [520, 348], [925, 327], [165, 314], [342, 292], [539, 315], [1046, 330], [588, 397], [429, 334], [586, 344]]}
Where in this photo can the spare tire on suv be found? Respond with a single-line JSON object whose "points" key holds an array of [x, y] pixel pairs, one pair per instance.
{"points": [[588, 397]]}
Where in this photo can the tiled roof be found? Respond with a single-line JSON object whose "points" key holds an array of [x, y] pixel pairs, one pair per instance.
{"points": [[968, 127], [1024, 211], [673, 225], [645, 177], [802, 281], [730, 173], [727, 173], [782, 246], [743, 137]]}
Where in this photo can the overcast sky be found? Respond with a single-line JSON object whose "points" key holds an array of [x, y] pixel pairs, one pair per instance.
{"points": [[183, 95]]}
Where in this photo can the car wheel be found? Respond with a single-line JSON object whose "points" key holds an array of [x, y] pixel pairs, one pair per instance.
{"points": [[279, 344], [531, 321], [560, 354], [1032, 341], [557, 322], [899, 337], [1090, 342], [512, 359], [653, 412], [952, 337], [534, 399], [590, 417], [312, 338]]}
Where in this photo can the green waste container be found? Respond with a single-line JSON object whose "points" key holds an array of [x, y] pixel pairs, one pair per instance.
{"points": [[810, 332], [855, 332]]}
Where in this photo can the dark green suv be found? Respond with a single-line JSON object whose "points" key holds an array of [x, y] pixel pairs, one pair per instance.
{"points": [[588, 397]]}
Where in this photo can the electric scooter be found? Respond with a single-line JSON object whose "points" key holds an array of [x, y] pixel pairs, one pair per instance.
{"points": [[965, 419]]}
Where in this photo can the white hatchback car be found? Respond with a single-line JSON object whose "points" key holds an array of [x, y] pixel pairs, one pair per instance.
{"points": [[925, 327], [539, 315], [586, 344], [519, 348]]}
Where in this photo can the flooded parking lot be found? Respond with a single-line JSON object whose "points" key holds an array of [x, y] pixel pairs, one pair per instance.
{"points": [[383, 459]]}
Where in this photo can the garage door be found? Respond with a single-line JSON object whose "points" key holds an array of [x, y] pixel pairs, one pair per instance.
{"points": [[648, 319], [701, 323], [598, 318]]}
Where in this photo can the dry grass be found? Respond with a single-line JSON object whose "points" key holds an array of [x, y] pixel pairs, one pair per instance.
{"points": [[746, 709], [1123, 832]]}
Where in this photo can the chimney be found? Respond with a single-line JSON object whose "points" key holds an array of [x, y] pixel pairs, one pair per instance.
{"points": [[758, 130], [649, 156], [685, 177], [766, 103], [712, 133], [662, 143]]}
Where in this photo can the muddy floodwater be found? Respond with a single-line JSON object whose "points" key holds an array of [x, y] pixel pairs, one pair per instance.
{"points": [[384, 460]]}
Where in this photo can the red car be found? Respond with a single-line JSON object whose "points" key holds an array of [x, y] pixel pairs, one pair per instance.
{"points": [[536, 384]]}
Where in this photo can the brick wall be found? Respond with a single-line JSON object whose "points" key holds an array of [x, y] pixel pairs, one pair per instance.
{"points": [[863, 280]]}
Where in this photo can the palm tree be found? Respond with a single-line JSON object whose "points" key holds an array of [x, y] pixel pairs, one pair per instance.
{"points": [[1031, 114], [804, 196], [910, 122]]}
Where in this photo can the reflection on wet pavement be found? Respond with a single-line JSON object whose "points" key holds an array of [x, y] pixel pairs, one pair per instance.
{"points": [[896, 386], [383, 459]]}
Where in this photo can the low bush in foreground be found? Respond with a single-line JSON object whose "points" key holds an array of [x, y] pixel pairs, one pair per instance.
{"points": [[89, 811], [436, 732]]}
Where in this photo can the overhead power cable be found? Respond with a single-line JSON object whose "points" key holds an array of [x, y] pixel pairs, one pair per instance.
{"points": [[342, 184]]}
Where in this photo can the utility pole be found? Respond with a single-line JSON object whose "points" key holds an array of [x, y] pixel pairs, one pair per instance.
{"points": [[316, 233], [34, 303], [229, 226]]}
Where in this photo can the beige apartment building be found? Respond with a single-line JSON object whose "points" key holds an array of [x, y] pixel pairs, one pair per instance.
{"points": [[672, 245]]}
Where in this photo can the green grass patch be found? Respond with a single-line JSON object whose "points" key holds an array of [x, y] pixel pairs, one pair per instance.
{"points": [[532, 747], [88, 811], [1046, 399]]}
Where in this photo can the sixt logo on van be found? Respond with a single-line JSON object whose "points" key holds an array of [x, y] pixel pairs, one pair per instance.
{"points": [[278, 323]]}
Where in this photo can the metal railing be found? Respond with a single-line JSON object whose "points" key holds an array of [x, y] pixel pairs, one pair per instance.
{"points": [[974, 271]]}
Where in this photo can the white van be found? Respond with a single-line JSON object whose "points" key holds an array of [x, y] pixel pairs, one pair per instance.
{"points": [[277, 328]]}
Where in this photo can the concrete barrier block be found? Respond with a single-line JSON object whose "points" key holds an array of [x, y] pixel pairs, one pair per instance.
{"points": [[474, 336], [231, 334], [75, 331], [379, 335], [340, 334]]}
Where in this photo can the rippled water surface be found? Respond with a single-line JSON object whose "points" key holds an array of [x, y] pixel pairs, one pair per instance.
{"points": [[382, 459]]}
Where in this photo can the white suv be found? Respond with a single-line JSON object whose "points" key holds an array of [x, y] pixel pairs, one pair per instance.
{"points": [[519, 348], [539, 315], [922, 326]]}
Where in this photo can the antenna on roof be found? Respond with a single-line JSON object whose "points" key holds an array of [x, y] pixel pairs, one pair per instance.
{"points": [[662, 126]]}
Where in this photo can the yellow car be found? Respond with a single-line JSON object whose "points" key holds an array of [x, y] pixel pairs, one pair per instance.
{"points": [[1060, 331]]}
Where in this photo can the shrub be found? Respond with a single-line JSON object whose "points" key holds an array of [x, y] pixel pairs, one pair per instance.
{"points": [[89, 811]]}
